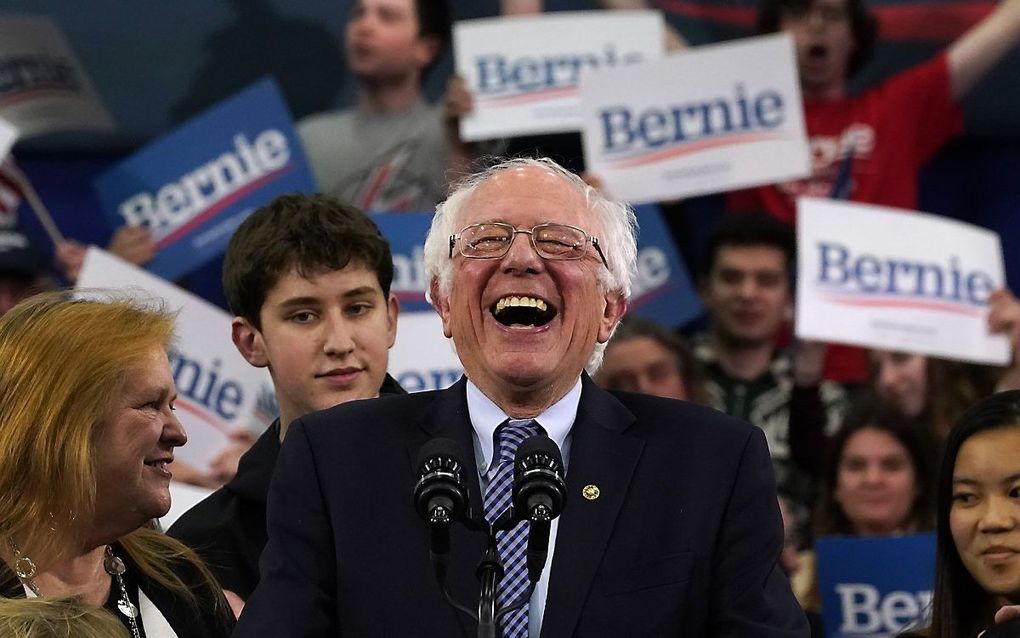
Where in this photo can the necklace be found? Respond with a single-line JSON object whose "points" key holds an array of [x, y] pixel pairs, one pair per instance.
{"points": [[25, 569], [114, 566]]}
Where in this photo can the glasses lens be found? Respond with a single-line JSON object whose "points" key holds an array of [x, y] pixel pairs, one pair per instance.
{"points": [[482, 240], [556, 241]]}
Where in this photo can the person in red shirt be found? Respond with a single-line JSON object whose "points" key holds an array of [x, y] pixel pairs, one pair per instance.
{"points": [[870, 147]]}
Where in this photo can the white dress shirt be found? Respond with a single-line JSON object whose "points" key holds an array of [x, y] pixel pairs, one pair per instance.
{"points": [[556, 421]]}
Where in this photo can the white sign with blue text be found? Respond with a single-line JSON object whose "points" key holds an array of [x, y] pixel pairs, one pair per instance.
{"points": [[193, 187], [706, 120], [875, 587], [43, 86], [218, 391], [523, 72], [887, 278]]}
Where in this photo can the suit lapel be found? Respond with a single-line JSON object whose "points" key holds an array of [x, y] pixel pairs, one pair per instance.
{"points": [[600, 455], [448, 417]]}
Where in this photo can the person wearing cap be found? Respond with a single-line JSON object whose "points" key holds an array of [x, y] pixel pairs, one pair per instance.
{"points": [[23, 268]]}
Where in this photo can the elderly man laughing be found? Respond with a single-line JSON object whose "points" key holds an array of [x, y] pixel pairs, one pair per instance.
{"points": [[670, 527]]}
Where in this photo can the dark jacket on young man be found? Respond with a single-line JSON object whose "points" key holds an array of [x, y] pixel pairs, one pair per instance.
{"points": [[228, 528]]}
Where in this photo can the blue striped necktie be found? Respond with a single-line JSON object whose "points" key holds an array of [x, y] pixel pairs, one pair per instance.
{"points": [[512, 544]]}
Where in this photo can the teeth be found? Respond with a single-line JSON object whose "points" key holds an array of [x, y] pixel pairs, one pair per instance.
{"points": [[514, 302]]}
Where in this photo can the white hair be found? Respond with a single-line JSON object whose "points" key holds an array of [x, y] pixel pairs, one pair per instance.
{"points": [[618, 240]]}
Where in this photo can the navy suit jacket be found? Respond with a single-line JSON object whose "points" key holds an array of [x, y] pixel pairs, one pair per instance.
{"points": [[683, 539]]}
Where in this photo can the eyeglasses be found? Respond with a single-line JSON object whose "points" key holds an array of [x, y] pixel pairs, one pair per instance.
{"points": [[492, 240]]}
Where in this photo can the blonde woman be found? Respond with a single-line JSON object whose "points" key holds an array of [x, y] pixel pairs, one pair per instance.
{"points": [[87, 439], [61, 618]]}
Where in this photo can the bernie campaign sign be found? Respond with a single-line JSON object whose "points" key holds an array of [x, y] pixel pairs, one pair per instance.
{"points": [[887, 278], [523, 71], [875, 587], [730, 116], [193, 187], [661, 291], [43, 86]]}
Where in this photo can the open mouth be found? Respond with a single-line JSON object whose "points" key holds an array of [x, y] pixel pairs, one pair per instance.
{"points": [[817, 51], [522, 311]]}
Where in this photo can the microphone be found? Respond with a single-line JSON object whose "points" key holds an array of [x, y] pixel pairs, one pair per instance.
{"points": [[539, 493], [440, 495]]}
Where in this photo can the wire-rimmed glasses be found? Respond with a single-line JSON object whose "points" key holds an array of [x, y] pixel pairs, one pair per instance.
{"points": [[492, 240]]}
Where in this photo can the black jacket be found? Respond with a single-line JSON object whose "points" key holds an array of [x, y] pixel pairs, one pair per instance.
{"points": [[683, 539], [228, 527]]}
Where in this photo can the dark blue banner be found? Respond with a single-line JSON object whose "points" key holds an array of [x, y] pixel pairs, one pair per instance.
{"points": [[875, 587], [194, 186], [662, 290]]}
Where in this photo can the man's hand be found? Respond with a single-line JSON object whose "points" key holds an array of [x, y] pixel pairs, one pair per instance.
{"points": [[808, 363], [457, 101], [1004, 318], [1009, 612], [70, 258], [186, 473], [133, 244], [974, 54], [1004, 315], [224, 467]]}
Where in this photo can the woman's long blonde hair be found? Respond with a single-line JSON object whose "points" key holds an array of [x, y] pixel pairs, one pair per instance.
{"points": [[62, 362], [56, 618]]}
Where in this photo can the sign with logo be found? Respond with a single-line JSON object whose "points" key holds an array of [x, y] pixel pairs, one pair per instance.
{"points": [[422, 358], [218, 391], [879, 277], [193, 187], [523, 72], [875, 587], [710, 119], [406, 233], [662, 290], [43, 87]]}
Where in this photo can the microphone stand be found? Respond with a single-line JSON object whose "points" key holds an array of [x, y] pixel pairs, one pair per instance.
{"points": [[490, 572]]}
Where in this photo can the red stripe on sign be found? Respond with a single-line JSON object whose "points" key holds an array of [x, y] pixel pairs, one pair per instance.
{"points": [[693, 147], [39, 93], [223, 203], [920, 304], [533, 96], [203, 414]]}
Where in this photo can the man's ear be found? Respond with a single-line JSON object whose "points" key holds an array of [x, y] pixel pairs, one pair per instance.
{"points": [[249, 342], [442, 305], [392, 313], [427, 49], [616, 307]]}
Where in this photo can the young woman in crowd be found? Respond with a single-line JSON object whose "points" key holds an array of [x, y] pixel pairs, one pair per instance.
{"points": [[87, 436], [877, 481], [935, 392], [977, 577]]}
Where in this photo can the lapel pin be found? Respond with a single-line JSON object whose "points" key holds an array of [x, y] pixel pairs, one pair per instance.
{"points": [[590, 492]]}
